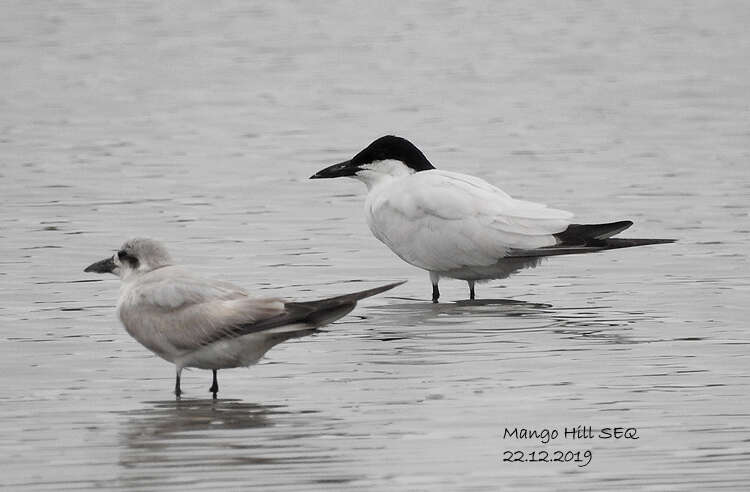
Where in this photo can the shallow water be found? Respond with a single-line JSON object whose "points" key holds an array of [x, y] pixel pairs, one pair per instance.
{"points": [[199, 125]]}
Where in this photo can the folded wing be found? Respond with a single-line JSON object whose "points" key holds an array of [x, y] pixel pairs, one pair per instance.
{"points": [[440, 221], [175, 312]]}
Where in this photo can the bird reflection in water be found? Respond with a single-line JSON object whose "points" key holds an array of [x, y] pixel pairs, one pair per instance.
{"points": [[221, 433], [495, 317]]}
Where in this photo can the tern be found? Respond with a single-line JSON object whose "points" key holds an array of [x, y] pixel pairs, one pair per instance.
{"points": [[208, 324], [459, 226]]}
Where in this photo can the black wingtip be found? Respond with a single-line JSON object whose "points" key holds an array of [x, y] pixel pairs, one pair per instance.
{"points": [[348, 298], [578, 234], [617, 243], [628, 243], [377, 290]]}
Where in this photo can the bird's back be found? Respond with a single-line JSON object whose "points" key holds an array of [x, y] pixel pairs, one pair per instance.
{"points": [[172, 312]]}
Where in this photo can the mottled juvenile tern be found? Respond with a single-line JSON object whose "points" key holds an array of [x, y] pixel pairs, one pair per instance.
{"points": [[208, 324], [459, 226]]}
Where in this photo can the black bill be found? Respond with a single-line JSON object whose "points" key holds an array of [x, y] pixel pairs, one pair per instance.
{"points": [[104, 266], [339, 170]]}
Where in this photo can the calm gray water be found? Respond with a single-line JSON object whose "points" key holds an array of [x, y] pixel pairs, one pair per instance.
{"points": [[197, 123]]}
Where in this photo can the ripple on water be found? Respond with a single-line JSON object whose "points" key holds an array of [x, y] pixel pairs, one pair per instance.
{"points": [[201, 126]]}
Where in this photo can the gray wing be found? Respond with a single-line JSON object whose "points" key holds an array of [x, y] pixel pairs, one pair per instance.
{"points": [[170, 308], [312, 314], [186, 312]]}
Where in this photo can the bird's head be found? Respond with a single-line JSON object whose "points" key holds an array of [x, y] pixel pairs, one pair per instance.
{"points": [[387, 156], [136, 256]]}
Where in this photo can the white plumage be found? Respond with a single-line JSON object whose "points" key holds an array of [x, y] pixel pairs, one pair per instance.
{"points": [[459, 226], [443, 221]]}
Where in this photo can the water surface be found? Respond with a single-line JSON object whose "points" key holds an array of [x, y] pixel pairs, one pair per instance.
{"points": [[199, 125]]}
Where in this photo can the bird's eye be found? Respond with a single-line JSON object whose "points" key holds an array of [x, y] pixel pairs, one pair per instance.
{"points": [[126, 257]]}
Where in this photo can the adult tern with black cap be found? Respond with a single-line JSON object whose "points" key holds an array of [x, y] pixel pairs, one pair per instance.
{"points": [[208, 324], [459, 226]]}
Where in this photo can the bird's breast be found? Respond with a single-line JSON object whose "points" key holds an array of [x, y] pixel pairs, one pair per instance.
{"points": [[382, 213], [146, 329]]}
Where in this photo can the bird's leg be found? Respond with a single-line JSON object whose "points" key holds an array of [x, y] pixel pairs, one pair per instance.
{"points": [[177, 390], [215, 386], [435, 278], [471, 289]]}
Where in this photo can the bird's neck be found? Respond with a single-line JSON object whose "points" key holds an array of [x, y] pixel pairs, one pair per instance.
{"points": [[381, 173]]}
